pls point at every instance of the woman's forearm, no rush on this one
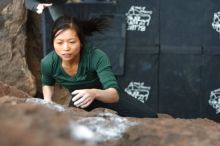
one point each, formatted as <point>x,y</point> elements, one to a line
<point>48,92</point>
<point>107,96</point>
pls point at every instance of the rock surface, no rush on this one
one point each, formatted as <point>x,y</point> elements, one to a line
<point>4,3</point>
<point>6,90</point>
<point>29,121</point>
<point>13,67</point>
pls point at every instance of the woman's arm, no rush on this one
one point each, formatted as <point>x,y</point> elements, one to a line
<point>48,92</point>
<point>109,95</point>
<point>85,97</point>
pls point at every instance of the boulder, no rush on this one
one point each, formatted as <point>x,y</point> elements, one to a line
<point>35,122</point>
<point>13,66</point>
<point>6,90</point>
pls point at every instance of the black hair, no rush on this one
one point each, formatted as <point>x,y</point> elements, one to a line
<point>83,28</point>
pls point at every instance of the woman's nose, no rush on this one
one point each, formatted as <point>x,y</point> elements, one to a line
<point>65,46</point>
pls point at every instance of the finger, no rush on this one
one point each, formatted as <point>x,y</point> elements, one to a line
<point>39,11</point>
<point>47,5</point>
<point>79,101</point>
<point>75,92</point>
<point>85,101</point>
<point>87,104</point>
<point>76,97</point>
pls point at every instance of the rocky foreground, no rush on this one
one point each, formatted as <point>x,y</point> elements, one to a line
<point>27,121</point>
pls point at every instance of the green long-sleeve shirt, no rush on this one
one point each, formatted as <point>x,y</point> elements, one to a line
<point>94,71</point>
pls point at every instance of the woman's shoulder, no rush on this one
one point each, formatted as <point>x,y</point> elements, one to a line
<point>50,62</point>
<point>98,56</point>
<point>94,51</point>
<point>50,58</point>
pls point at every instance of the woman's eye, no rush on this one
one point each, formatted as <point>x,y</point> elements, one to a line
<point>72,42</point>
<point>59,43</point>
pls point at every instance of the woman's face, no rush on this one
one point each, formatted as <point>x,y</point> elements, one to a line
<point>67,44</point>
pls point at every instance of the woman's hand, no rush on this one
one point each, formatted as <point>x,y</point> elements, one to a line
<point>41,6</point>
<point>83,98</point>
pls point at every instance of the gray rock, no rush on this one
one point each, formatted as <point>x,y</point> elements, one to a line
<point>13,66</point>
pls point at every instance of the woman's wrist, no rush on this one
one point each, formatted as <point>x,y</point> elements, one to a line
<point>94,93</point>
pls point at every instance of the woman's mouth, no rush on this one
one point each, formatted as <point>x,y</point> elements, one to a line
<point>66,55</point>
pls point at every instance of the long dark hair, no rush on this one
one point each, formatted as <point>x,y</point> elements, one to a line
<point>83,28</point>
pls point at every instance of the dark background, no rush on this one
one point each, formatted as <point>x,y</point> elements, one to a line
<point>178,55</point>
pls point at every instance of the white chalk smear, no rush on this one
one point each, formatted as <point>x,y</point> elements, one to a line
<point>104,127</point>
<point>48,104</point>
